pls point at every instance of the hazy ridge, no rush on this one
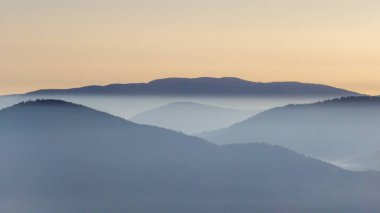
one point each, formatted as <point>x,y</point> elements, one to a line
<point>333,130</point>
<point>62,157</point>
<point>190,117</point>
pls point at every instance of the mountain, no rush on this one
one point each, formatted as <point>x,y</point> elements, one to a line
<point>61,157</point>
<point>332,130</point>
<point>191,117</point>
<point>205,86</point>
<point>126,100</point>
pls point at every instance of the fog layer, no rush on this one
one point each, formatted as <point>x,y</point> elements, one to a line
<point>60,157</point>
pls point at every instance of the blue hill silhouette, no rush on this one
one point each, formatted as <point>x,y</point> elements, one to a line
<point>205,86</point>
<point>61,157</point>
<point>190,117</point>
<point>332,130</point>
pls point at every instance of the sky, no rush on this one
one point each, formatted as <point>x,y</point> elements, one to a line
<point>71,43</point>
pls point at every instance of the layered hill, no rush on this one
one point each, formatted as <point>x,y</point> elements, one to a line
<point>189,117</point>
<point>61,157</point>
<point>332,130</point>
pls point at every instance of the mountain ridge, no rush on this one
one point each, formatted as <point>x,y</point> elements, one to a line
<point>205,86</point>
<point>191,117</point>
<point>57,155</point>
<point>312,129</point>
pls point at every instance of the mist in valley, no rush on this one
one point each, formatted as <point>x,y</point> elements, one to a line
<point>188,153</point>
<point>127,106</point>
<point>189,106</point>
<point>63,157</point>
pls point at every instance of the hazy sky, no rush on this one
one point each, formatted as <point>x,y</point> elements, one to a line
<point>66,43</point>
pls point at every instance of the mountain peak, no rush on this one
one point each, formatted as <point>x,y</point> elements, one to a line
<point>50,112</point>
<point>198,79</point>
<point>44,102</point>
<point>47,103</point>
<point>191,117</point>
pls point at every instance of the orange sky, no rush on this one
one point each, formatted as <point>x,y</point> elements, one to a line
<point>58,44</point>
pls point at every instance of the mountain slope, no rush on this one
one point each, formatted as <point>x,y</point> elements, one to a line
<point>332,130</point>
<point>206,87</point>
<point>191,117</point>
<point>60,157</point>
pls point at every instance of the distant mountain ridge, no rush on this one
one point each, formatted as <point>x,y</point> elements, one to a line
<point>60,156</point>
<point>205,86</point>
<point>331,130</point>
<point>191,117</point>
